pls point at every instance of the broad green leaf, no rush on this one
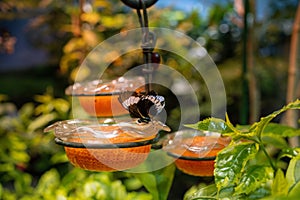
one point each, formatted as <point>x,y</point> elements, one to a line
<point>295,191</point>
<point>279,186</point>
<point>159,182</point>
<point>260,193</point>
<point>118,191</point>
<point>41,121</point>
<point>281,130</point>
<point>201,192</point>
<point>253,178</point>
<point>230,163</point>
<point>288,152</point>
<point>94,190</point>
<point>274,140</point>
<point>48,183</point>
<point>259,127</point>
<point>211,124</point>
<point>293,172</point>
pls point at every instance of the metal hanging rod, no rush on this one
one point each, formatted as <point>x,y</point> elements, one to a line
<point>136,3</point>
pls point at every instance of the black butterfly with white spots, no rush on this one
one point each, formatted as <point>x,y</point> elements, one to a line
<point>142,106</point>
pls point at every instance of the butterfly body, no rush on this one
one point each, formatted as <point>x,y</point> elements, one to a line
<point>143,106</point>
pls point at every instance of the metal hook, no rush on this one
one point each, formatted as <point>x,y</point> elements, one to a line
<point>136,5</point>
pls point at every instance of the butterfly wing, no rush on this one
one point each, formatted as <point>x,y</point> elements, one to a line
<point>142,106</point>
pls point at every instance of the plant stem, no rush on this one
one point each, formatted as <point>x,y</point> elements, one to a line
<point>267,155</point>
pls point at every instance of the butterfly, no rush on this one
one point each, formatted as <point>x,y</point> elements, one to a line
<point>142,106</point>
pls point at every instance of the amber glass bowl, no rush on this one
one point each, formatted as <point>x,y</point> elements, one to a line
<point>102,146</point>
<point>99,98</point>
<point>195,151</point>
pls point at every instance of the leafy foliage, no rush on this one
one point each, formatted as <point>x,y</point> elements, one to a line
<point>158,182</point>
<point>33,167</point>
<point>239,171</point>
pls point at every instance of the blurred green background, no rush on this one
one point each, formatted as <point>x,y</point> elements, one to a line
<point>43,43</point>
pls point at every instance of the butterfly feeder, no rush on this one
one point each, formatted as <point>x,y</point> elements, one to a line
<point>195,151</point>
<point>109,140</point>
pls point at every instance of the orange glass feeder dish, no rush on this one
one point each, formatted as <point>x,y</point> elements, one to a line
<point>100,99</point>
<point>103,146</point>
<point>195,152</point>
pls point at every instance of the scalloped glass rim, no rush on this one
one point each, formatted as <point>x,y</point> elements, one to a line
<point>106,146</point>
<point>91,132</point>
<point>182,141</point>
<point>98,87</point>
<point>208,158</point>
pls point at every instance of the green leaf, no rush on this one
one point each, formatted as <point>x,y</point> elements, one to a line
<point>118,191</point>
<point>23,183</point>
<point>1,191</point>
<point>280,185</point>
<point>61,105</point>
<point>158,182</point>
<point>259,127</point>
<point>132,184</point>
<point>281,130</point>
<point>138,195</point>
<point>48,183</point>
<point>253,178</point>
<point>295,191</point>
<point>275,140</point>
<point>41,121</point>
<point>230,163</point>
<point>288,152</point>
<point>201,192</point>
<point>211,124</point>
<point>293,172</point>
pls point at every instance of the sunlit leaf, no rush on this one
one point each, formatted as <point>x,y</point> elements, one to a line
<point>253,178</point>
<point>231,162</point>
<point>294,192</point>
<point>91,17</point>
<point>48,183</point>
<point>61,105</point>
<point>117,21</point>
<point>201,192</point>
<point>59,158</point>
<point>118,190</point>
<point>19,156</point>
<point>289,152</point>
<point>133,184</point>
<point>43,98</point>
<point>74,44</point>
<point>93,190</point>
<point>26,111</point>
<point>280,185</point>
<point>90,38</point>
<point>281,130</point>
<point>41,121</point>
<point>259,127</point>
<point>211,124</point>
<point>293,172</point>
